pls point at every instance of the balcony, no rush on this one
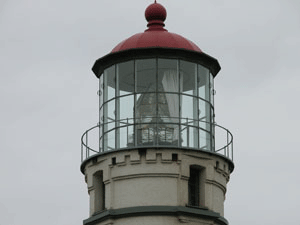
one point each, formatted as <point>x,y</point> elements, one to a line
<point>180,133</point>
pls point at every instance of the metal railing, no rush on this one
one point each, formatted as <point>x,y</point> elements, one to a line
<point>219,139</point>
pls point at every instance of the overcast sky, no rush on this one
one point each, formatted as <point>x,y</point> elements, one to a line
<point>48,99</point>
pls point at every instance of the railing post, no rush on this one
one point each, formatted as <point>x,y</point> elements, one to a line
<point>227,147</point>
<point>86,144</point>
<point>127,132</point>
<point>99,147</point>
<point>81,151</point>
<point>211,137</point>
<point>232,149</point>
<point>188,132</point>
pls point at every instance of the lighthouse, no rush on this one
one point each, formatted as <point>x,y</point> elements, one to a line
<point>156,156</point>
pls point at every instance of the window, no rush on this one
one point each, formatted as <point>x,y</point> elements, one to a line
<point>196,183</point>
<point>174,157</point>
<point>114,161</point>
<point>99,188</point>
<point>194,187</point>
<point>146,75</point>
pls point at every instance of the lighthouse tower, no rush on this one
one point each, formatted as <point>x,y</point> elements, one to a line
<point>156,156</point>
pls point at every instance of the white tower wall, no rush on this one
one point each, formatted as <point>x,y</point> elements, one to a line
<point>153,189</point>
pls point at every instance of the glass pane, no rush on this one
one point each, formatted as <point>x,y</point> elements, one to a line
<point>146,75</point>
<point>203,82</point>
<point>104,124</point>
<point>188,78</point>
<point>212,90</point>
<point>176,135</point>
<point>146,134</point>
<point>125,106</point>
<point>126,134</point>
<point>213,144</point>
<point>184,136</point>
<point>111,115</point>
<point>193,133</point>
<point>168,108</point>
<point>189,136</point>
<point>110,139</point>
<point>204,112</point>
<point>146,108</point>
<point>100,130</point>
<point>101,90</point>
<point>145,119</point>
<point>204,139</point>
<point>168,80</point>
<point>109,82</point>
<point>101,95</point>
<point>126,109</point>
<point>167,134</point>
<point>189,109</point>
<point>205,125</point>
<point>101,142</point>
<point>212,129</point>
<point>125,77</point>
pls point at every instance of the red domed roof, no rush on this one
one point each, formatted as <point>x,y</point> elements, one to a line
<point>156,35</point>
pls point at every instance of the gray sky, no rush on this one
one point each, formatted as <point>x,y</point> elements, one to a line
<point>48,99</point>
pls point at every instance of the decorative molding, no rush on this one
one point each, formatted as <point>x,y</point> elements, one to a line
<point>196,156</point>
<point>223,173</point>
<point>216,184</point>
<point>180,212</point>
<point>184,177</point>
<point>159,150</point>
<point>145,175</point>
<point>96,161</point>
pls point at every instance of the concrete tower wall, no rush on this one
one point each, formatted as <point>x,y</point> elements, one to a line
<point>138,180</point>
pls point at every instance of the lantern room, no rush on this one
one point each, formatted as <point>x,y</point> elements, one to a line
<point>156,90</point>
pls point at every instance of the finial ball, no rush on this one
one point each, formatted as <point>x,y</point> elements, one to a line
<point>156,11</point>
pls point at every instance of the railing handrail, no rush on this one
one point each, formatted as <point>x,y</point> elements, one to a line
<point>227,148</point>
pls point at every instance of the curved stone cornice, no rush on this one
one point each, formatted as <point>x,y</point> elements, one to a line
<point>155,210</point>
